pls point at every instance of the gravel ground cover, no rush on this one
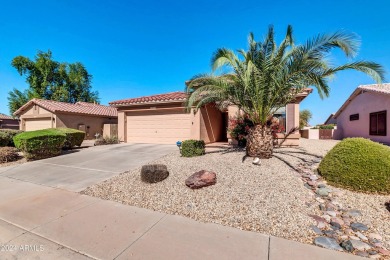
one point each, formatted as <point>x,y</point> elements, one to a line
<point>19,161</point>
<point>270,198</point>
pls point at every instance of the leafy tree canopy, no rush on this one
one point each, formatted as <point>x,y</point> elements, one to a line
<point>268,75</point>
<point>304,117</point>
<point>51,80</point>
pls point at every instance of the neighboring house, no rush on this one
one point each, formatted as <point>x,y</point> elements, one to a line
<point>88,117</point>
<point>331,120</point>
<point>8,122</point>
<point>163,119</point>
<point>365,114</point>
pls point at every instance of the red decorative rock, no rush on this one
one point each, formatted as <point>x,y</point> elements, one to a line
<point>338,221</point>
<point>384,251</point>
<point>317,218</point>
<point>201,179</point>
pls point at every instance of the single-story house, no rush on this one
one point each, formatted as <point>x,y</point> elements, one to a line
<point>364,114</point>
<point>163,119</point>
<point>331,120</point>
<point>88,117</point>
<point>8,122</point>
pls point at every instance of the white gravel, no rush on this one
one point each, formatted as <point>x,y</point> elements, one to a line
<point>269,198</point>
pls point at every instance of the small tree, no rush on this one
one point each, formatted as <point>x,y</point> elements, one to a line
<point>304,117</point>
<point>52,80</point>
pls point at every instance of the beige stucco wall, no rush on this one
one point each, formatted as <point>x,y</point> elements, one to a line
<point>121,126</point>
<point>363,104</point>
<point>34,111</point>
<point>93,124</point>
<point>310,133</point>
<point>292,116</point>
<point>206,124</point>
<point>211,124</point>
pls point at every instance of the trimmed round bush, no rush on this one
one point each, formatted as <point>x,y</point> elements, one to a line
<point>73,137</point>
<point>40,144</point>
<point>358,164</point>
<point>154,173</point>
<point>191,148</point>
<point>6,137</point>
<point>8,154</point>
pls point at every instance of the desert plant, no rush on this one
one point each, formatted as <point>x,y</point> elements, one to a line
<point>153,173</point>
<point>73,137</point>
<point>268,76</point>
<point>239,128</point>
<point>191,148</point>
<point>304,117</point>
<point>7,135</point>
<point>8,154</point>
<point>358,164</point>
<point>40,144</point>
<point>107,140</point>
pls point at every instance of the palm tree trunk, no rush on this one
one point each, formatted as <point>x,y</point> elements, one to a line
<point>260,142</point>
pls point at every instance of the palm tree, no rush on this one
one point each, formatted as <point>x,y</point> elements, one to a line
<point>267,77</point>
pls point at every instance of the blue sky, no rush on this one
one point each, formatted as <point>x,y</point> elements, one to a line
<point>135,48</point>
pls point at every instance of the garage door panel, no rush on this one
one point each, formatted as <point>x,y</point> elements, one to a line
<point>159,133</point>
<point>178,126</point>
<point>163,132</point>
<point>33,124</point>
<point>158,126</point>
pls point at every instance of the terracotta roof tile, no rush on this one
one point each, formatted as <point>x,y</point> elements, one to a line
<point>78,108</point>
<point>167,97</point>
<point>4,116</point>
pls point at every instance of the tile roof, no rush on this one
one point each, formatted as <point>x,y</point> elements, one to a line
<point>77,108</point>
<point>380,88</point>
<point>167,97</point>
<point>383,88</point>
<point>4,116</point>
<point>175,96</point>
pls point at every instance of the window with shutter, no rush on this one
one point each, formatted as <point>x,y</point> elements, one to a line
<point>378,123</point>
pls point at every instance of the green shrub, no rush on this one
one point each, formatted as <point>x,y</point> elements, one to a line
<point>73,137</point>
<point>7,135</point>
<point>326,126</point>
<point>41,143</point>
<point>190,148</point>
<point>107,140</point>
<point>358,164</point>
<point>8,154</point>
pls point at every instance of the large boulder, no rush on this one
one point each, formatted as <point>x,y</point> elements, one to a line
<point>153,173</point>
<point>201,179</point>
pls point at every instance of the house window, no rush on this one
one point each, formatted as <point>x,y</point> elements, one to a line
<point>281,115</point>
<point>354,117</point>
<point>378,123</point>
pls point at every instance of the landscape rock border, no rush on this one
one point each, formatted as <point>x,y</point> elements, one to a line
<point>336,227</point>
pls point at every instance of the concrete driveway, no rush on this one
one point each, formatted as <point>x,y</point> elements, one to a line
<point>81,168</point>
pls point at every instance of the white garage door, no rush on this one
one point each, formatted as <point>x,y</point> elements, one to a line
<point>32,124</point>
<point>161,127</point>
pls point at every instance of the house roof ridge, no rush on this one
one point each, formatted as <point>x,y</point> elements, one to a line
<point>156,98</point>
<point>77,108</point>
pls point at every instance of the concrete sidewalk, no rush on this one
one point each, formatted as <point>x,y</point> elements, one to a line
<point>40,222</point>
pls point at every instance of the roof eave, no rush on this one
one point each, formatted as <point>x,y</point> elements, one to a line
<point>146,103</point>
